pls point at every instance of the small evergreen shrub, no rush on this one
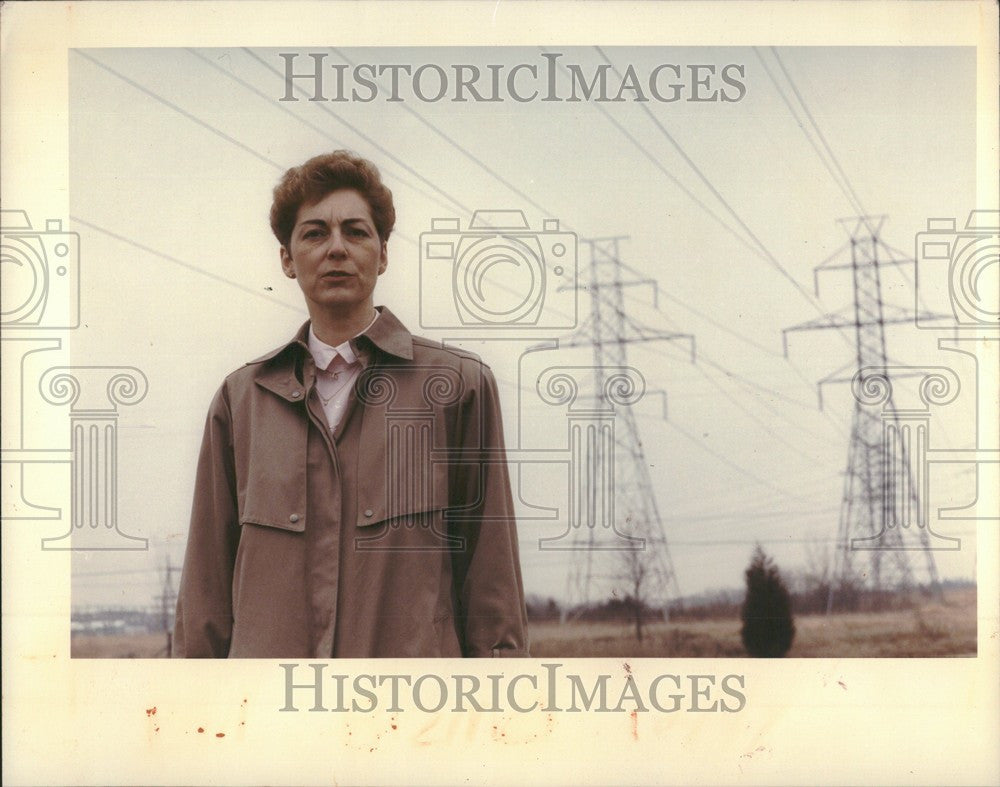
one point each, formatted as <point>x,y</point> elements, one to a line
<point>768,627</point>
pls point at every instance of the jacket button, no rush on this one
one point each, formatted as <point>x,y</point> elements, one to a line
<point>296,394</point>
<point>369,512</point>
<point>293,518</point>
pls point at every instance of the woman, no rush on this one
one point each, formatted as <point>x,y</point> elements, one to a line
<point>352,496</point>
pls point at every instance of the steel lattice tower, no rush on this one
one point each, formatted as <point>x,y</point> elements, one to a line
<point>639,558</point>
<point>882,516</point>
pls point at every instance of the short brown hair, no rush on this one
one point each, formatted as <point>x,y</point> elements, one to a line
<point>323,174</point>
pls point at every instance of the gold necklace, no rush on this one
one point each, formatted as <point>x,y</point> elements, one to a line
<point>336,376</point>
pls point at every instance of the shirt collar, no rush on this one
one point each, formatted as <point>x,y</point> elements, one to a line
<point>324,354</point>
<point>386,333</point>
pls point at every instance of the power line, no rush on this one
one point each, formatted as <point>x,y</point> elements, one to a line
<point>760,249</point>
<point>661,291</point>
<point>841,180</point>
<point>719,367</point>
<point>387,153</point>
<point>750,383</point>
<point>157,97</point>
<point>731,464</point>
<point>840,176</point>
<point>186,265</point>
<point>739,378</point>
<point>454,144</point>
<point>216,277</point>
<point>659,165</point>
<point>768,256</point>
<point>199,270</point>
<point>492,173</point>
<point>308,124</point>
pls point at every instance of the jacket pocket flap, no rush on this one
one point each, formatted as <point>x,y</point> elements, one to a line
<point>295,522</point>
<point>271,477</point>
<point>405,497</point>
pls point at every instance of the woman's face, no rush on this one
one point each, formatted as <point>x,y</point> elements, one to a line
<point>336,254</point>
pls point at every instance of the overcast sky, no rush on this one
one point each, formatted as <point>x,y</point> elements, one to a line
<point>727,205</point>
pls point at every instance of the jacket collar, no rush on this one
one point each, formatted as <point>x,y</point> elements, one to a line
<point>277,372</point>
<point>389,335</point>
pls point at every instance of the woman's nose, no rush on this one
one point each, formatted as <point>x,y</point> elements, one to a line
<point>335,246</point>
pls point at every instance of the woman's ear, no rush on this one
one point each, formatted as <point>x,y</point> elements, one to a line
<point>286,263</point>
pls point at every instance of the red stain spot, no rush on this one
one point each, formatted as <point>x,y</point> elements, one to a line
<point>243,723</point>
<point>394,726</point>
<point>156,729</point>
<point>220,735</point>
<point>201,729</point>
<point>635,725</point>
<point>151,711</point>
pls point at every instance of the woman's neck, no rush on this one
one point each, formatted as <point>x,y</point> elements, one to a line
<point>335,329</point>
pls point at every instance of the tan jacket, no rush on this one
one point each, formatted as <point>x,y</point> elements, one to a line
<point>392,537</point>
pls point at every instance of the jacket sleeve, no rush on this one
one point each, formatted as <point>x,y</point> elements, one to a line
<point>487,571</point>
<point>204,621</point>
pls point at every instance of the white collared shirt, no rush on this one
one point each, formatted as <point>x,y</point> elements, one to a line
<point>337,369</point>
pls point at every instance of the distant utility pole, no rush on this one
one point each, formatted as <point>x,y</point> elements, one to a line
<point>168,601</point>
<point>631,549</point>
<point>883,516</point>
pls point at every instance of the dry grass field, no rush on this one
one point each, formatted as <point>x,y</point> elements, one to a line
<point>932,630</point>
<point>119,646</point>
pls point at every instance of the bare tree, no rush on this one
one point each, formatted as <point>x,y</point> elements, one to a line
<point>636,571</point>
<point>816,577</point>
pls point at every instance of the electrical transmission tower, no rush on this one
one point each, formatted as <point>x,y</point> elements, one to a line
<point>168,601</point>
<point>883,517</point>
<point>631,549</point>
